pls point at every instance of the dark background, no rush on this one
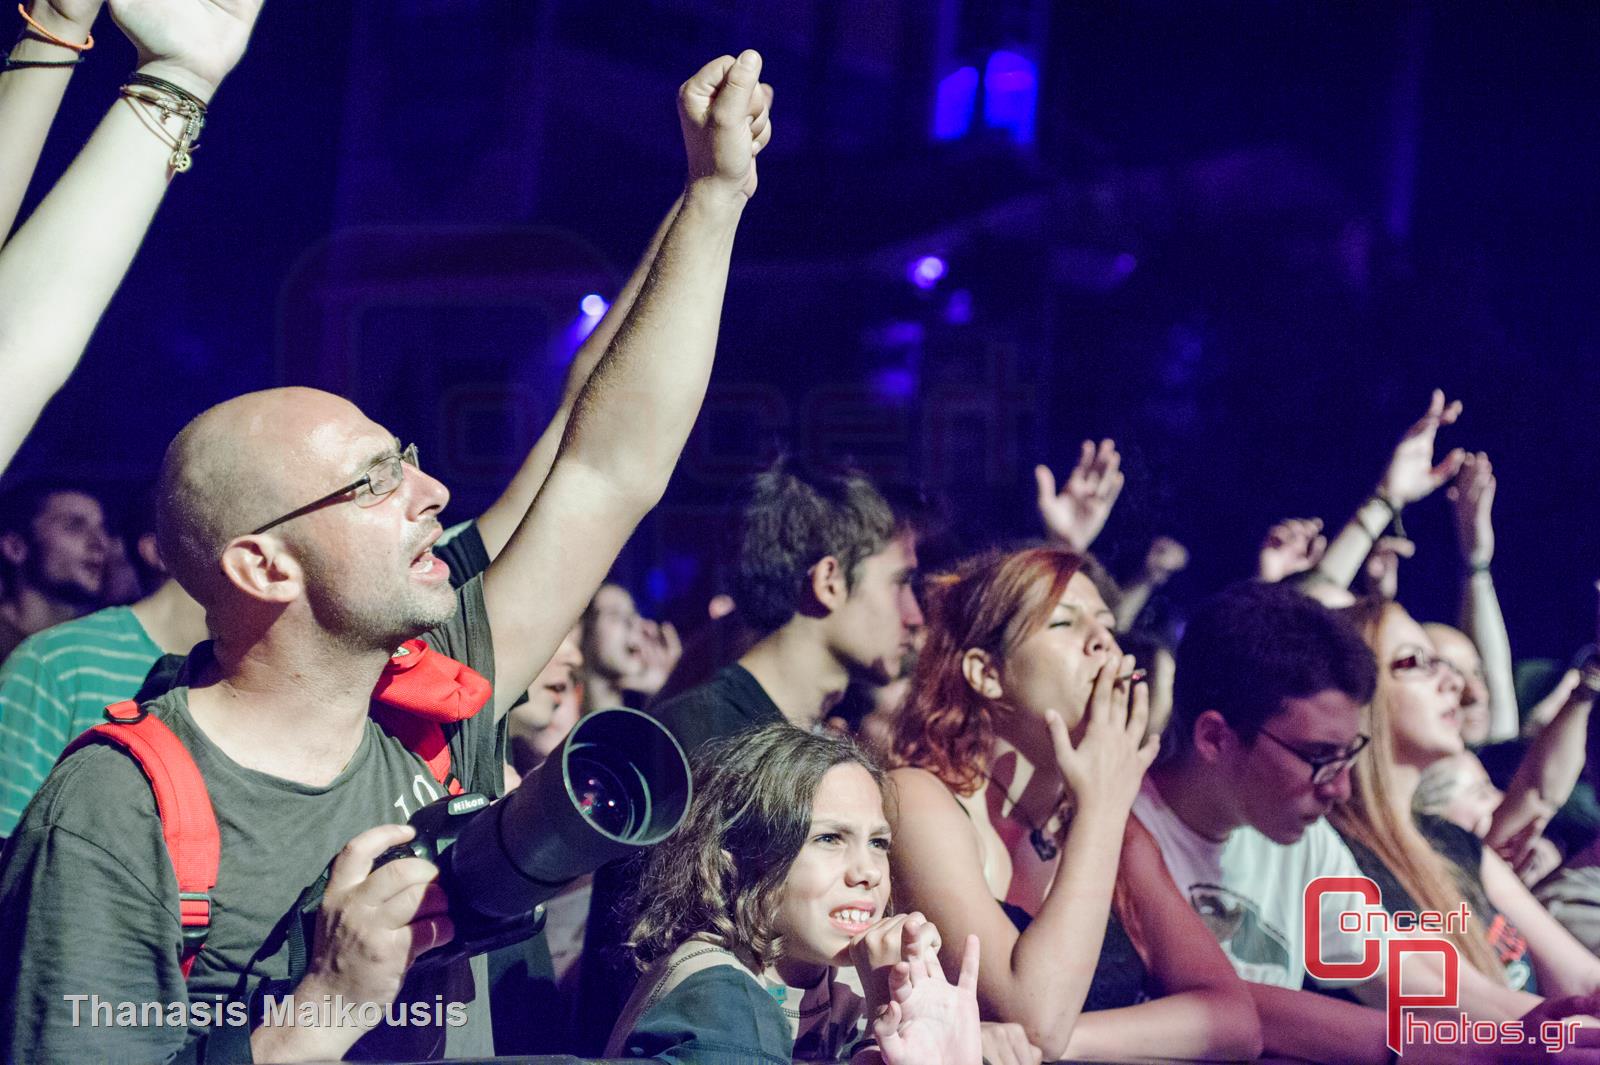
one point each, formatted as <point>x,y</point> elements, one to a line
<point>1244,239</point>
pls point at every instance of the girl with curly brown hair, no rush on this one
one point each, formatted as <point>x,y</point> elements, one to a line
<point>778,880</point>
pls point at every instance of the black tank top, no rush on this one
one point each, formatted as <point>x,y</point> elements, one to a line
<point>1120,976</point>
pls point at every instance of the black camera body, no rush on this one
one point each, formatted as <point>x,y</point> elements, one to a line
<point>438,825</point>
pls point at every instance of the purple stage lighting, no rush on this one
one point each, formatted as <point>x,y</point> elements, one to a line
<point>954,103</point>
<point>926,271</point>
<point>959,310</point>
<point>895,383</point>
<point>1011,94</point>
<point>593,305</point>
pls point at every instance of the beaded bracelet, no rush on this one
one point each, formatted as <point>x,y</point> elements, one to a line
<point>26,64</point>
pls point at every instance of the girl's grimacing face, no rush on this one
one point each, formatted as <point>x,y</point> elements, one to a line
<point>838,886</point>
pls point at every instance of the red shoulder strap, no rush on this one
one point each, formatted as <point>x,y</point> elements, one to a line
<point>423,738</point>
<point>188,822</point>
<point>422,690</point>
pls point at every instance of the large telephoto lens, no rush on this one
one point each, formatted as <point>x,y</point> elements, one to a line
<point>620,781</point>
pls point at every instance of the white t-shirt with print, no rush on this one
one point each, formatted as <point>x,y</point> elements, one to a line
<point>1250,892</point>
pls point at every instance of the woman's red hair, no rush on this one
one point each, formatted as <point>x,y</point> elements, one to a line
<point>992,602</point>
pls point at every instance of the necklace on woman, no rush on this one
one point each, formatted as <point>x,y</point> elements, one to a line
<point>1043,845</point>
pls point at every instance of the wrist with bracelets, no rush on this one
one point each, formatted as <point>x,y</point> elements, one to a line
<point>1394,517</point>
<point>170,101</point>
<point>32,30</point>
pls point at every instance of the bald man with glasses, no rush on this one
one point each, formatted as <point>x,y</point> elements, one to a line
<point>306,531</point>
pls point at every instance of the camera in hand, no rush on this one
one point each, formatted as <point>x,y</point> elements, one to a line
<point>618,782</point>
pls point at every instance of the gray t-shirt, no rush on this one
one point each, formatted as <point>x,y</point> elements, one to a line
<point>88,898</point>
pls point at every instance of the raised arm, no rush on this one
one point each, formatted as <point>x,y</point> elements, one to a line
<point>1546,775</point>
<point>633,416</point>
<point>498,522</point>
<point>1165,559</point>
<point>60,270</point>
<point>1291,546</point>
<point>1074,515</point>
<point>31,87</point>
<point>1472,498</point>
<point>1410,476</point>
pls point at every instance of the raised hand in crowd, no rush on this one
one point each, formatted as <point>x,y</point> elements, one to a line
<point>659,651</point>
<point>1472,501</point>
<point>1291,546</point>
<point>1472,498</point>
<point>59,271</point>
<point>1163,560</point>
<point>1381,570</point>
<point>1076,513</point>
<point>1548,772</point>
<point>1544,711</point>
<point>1410,475</point>
<point>192,43</point>
<point>726,115</point>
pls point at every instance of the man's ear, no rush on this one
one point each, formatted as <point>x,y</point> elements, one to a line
<point>262,568</point>
<point>1213,736</point>
<point>978,668</point>
<point>828,585</point>
<point>150,553</point>
<point>14,547</point>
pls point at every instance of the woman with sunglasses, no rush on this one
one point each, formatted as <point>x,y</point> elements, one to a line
<point>1019,753</point>
<point>1422,862</point>
<point>753,914</point>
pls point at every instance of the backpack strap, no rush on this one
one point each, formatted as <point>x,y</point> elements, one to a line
<point>188,823</point>
<point>419,693</point>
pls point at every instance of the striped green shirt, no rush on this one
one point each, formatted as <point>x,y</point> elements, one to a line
<point>56,684</point>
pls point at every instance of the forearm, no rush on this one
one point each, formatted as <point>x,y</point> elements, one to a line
<point>1052,963</point>
<point>628,427</point>
<point>1132,602</point>
<point>1350,548</point>
<point>1482,620</point>
<point>1313,1027</point>
<point>634,415</point>
<point>29,100</point>
<point>498,522</point>
<point>296,1042</point>
<point>60,270</point>
<point>1211,1024</point>
<point>1548,772</point>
